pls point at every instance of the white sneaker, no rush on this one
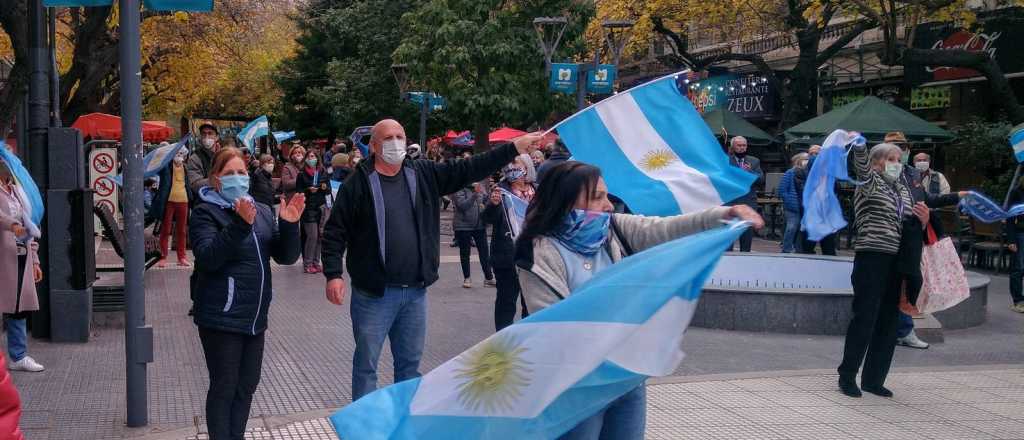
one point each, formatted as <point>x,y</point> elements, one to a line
<point>467,284</point>
<point>25,364</point>
<point>912,341</point>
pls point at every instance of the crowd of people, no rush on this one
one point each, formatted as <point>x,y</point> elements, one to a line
<point>378,220</point>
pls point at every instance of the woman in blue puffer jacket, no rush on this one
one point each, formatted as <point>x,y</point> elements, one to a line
<point>233,239</point>
<point>791,203</point>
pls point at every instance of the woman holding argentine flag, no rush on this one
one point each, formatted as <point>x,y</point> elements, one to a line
<point>569,235</point>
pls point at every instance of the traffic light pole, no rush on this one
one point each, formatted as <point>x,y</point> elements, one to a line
<point>138,336</point>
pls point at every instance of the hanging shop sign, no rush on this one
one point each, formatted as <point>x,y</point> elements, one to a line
<point>563,77</point>
<point>996,33</point>
<point>601,80</point>
<point>923,98</point>
<point>749,96</point>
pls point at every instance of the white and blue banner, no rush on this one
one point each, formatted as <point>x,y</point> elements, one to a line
<point>985,210</point>
<point>257,128</point>
<point>357,137</point>
<point>655,151</point>
<point>281,136</point>
<point>1017,141</point>
<point>156,160</point>
<point>540,377</point>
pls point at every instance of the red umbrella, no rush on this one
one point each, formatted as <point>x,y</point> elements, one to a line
<point>504,134</point>
<point>104,126</point>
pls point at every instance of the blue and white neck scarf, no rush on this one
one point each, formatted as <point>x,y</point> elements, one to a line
<point>583,231</point>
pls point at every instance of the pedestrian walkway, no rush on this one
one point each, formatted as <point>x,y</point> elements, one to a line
<point>968,404</point>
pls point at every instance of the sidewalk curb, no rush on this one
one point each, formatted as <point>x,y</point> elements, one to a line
<point>269,423</point>
<point>818,372</point>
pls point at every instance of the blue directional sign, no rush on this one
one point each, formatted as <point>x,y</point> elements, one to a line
<point>437,102</point>
<point>601,80</point>
<point>563,77</point>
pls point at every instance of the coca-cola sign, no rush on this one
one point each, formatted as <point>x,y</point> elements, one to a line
<point>994,34</point>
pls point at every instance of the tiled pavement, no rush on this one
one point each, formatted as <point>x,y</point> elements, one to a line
<point>309,350</point>
<point>971,404</point>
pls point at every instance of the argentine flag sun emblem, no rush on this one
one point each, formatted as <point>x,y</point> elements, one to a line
<point>494,375</point>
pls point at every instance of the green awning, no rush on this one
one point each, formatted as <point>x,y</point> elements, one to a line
<point>873,118</point>
<point>736,126</point>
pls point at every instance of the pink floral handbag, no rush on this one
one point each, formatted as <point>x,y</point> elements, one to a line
<point>945,283</point>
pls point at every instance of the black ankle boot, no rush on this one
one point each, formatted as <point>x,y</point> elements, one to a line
<point>849,387</point>
<point>878,390</point>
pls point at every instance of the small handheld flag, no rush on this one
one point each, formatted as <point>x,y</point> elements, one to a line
<point>515,212</point>
<point>655,151</point>
<point>985,210</point>
<point>258,127</point>
<point>156,160</point>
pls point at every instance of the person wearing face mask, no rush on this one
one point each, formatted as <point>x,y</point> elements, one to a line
<point>291,170</point>
<point>513,182</point>
<point>262,182</point>
<point>882,206</point>
<point>912,242</point>
<point>934,182</point>
<point>738,157</point>
<point>570,236</point>
<point>173,202</point>
<point>234,238</point>
<point>791,203</point>
<point>387,217</point>
<point>19,268</point>
<point>313,181</point>
<point>198,164</point>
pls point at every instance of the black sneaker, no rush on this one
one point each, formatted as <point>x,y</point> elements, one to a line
<point>849,387</point>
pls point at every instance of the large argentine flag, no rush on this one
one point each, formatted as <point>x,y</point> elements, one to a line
<point>655,151</point>
<point>258,127</point>
<point>543,375</point>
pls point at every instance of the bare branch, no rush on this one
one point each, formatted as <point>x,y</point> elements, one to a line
<point>840,43</point>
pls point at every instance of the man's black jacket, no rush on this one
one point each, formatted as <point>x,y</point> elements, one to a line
<point>352,225</point>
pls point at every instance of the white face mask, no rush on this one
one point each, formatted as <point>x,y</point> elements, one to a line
<point>393,151</point>
<point>268,167</point>
<point>208,142</point>
<point>892,171</point>
<point>922,166</point>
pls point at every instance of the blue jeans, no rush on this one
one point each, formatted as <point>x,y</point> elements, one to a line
<point>906,325</point>
<point>401,316</point>
<point>623,419</point>
<point>789,237</point>
<point>17,338</point>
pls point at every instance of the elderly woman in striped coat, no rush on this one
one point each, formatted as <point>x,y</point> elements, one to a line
<point>880,205</point>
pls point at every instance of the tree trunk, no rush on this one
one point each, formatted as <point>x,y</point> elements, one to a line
<point>14,21</point>
<point>976,60</point>
<point>800,93</point>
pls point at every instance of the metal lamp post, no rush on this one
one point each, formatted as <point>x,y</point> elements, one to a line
<point>401,73</point>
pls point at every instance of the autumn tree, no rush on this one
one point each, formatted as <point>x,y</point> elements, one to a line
<point>482,56</point>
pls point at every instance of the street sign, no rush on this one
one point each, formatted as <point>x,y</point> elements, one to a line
<point>563,77</point>
<point>102,167</point>
<point>601,80</point>
<point>437,102</point>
